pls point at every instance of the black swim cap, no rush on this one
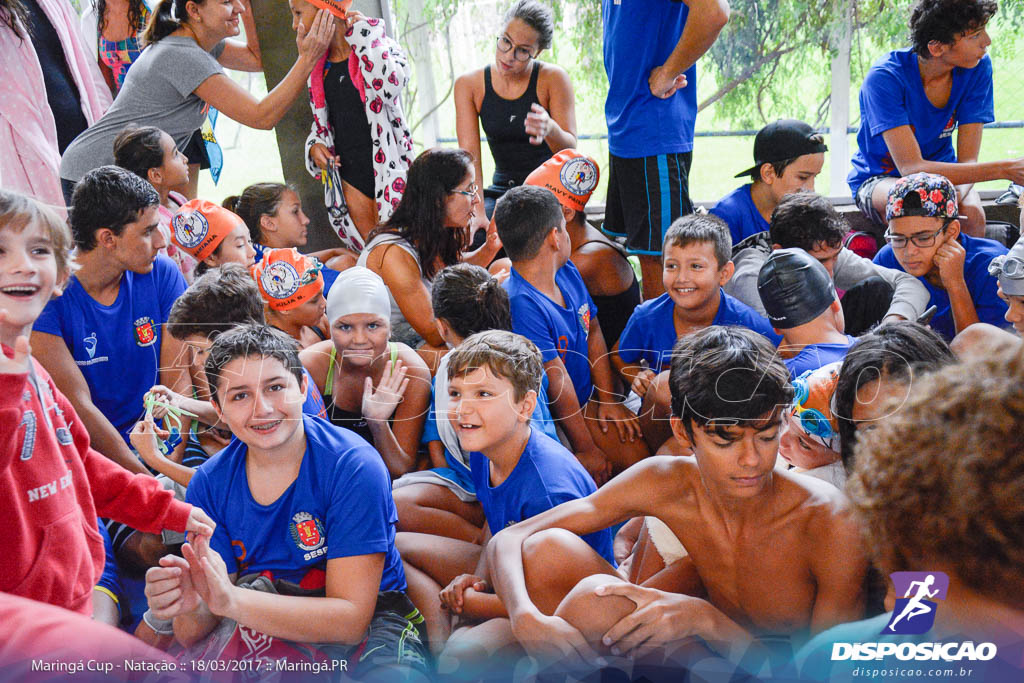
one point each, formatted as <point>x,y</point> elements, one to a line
<point>794,287</point>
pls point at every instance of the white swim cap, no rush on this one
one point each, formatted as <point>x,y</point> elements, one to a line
<point>358,290</point>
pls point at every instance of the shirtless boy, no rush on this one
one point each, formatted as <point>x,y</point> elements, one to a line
<point>769,552</point>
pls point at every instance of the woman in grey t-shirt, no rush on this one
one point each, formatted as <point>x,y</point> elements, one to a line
<point>180,74</point>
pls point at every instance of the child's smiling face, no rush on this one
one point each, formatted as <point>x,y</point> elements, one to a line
<point>28,277</point>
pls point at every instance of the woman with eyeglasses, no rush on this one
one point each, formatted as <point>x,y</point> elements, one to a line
<point>428,231</point>
<point>526,107</point>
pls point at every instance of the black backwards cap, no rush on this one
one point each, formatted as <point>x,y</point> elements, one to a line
<point>781,140</point>
<point>794,287</point>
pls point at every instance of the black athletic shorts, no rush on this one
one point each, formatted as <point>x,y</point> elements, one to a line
<point>644,196</point>
<point>195,150</point>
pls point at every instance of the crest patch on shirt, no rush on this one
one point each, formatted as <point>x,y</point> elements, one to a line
<point>584,316</point>
<point>145,331</point>
<point>307,531</point>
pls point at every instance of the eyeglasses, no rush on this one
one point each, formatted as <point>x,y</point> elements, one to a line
<point>469,192</point>
<point>522,53</point>
<point>926,239</point>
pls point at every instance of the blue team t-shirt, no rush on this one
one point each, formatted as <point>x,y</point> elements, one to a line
<point>893,95</point>
<point>546,475</point>
<point>982,286</point>
<point>558,332</point>
<point>814,356</point>
<point>639,35</point>
<point>650,333</point>
<point>738,211</point>
<point>106,340</point>
<point>340,505</point>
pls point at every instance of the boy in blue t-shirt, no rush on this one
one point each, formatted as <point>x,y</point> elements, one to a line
<point>103,340</point>
<point>301,502</point>
<point>924,240</point>
<point>442,500</point>
<point>695,266</point>
<point>801,302</point>
<point>788,156</point>
<point>912,101</point>
<point>516,469</point>
<point>552,308</point>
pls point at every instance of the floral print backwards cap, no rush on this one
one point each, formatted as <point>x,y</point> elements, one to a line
<point>922,194</point>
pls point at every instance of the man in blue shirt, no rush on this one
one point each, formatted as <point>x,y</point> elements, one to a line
<point>650,51</point>
<point>299,501</point>
<point>103,339</point>
<point>913,99</point>
<point>801,302</point>
<point>925,241</point>
<point>788,156</point>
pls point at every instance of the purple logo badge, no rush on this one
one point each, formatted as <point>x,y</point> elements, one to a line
<point>914,612</point>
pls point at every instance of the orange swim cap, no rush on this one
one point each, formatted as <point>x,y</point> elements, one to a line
<point>338,8</point>
<point>570,176</point>
<point>287,279</point>
<point>200,226</point>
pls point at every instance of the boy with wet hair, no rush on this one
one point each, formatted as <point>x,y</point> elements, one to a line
<point>301,502</point>
<point>925,240</point>
<point>808,221</point>
<point>552,308</point>
<point>788,156</point>
<point>926,512</point>
<point>796,567</point>
<point>113,310</point>
<point>911,102</point>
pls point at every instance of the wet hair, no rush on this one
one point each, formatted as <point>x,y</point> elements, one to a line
<point>946,20</point>
<point>506,354</point>
<point>255,202</point>
<point>901,351</point>
<point>805,220</point>
<point>249,341</point>
<point>107,197</point>
<point>524,217</point>
<point>420,217</point>
<point>17,211</point>
<point>942,480</point>
<point>14,16</point>
<point>138,149</point>
<point>535,15</point>
<point>470,300</point>
<point>696,228</point>
<point>218,300</point>
<point>134,15</point>
<point>162,24</point>
<point>727,376</point>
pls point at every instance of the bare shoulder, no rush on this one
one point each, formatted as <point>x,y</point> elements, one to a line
<point>552,75</point>
<point>665,477</point>
<point>471,82</point>
<point>823,510</point>
<point>413,362</point>
<point>316,358</point>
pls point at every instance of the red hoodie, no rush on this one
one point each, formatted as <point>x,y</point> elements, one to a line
<point>52,488</point>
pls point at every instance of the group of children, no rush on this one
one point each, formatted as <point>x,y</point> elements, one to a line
<point>575,475</point>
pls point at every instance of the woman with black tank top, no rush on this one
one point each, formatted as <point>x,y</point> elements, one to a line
<point>526,106</point>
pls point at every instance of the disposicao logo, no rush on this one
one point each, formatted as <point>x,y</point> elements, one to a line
<point>914,614</point>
